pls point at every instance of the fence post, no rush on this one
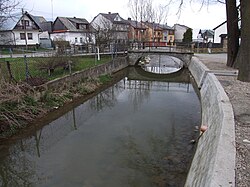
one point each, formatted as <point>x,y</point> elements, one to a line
<point>1,74</point>
<point>9,70</point>
<point>70,68</point>
<point>27,74</point>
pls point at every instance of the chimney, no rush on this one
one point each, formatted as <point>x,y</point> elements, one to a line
<point>109,12</point>
<point>129,19</point>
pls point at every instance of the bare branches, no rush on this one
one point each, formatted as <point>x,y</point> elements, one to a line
<point>6,9</point>
<point>221,1</point>
<point>202,3</point>
<point>144,10</point>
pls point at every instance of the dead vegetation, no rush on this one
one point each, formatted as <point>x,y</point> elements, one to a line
<point>19,104</point>
<point>16,105</point>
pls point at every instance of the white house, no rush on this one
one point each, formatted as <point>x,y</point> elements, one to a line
<point>21,30</point>
<point>46,27</point>
<point>114,24</point>
<point>219,30</point>
<point>179,30</point>
<point>77,31</point>
<point>206,35</point>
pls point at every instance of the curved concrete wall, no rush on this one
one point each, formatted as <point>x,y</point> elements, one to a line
<point>214,161</point>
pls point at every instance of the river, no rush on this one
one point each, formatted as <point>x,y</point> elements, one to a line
<point>134,133</point>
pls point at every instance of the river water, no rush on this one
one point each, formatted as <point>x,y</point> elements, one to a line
<point>135,133</point>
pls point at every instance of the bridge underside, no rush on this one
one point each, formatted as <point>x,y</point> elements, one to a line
<point>137,73</point>
<point>135,56</point>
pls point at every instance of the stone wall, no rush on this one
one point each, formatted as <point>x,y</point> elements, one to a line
<point>214,161</point>
<point>107,68</point>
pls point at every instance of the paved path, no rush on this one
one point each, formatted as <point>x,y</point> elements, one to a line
<point>239,95</point>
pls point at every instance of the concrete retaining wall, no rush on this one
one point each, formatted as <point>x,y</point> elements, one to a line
<point>214,161</point>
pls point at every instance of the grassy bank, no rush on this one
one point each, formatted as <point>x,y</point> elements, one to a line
<point>18,106</point>
<point>40,67</point>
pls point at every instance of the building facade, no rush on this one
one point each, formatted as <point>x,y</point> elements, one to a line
<point>21,31</point>
<point>179,31</point>
<point>111,27</point>
<point>76,31</point>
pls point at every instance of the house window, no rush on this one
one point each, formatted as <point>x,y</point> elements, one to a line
<point>75,40</point>
<point>159,33</point>
<point>171,32</point>
<point>81,40</point>
<point>165,38</point>
<point>25,23</point>
<point>22,36</point>
<point>30,36</point>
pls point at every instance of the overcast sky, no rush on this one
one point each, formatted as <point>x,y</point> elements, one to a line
<point>206,18</point>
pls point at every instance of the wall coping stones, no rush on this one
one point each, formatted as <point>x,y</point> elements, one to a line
<point>214,161</point>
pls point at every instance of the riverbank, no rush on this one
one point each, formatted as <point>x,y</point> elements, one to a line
<point>239,96</point>
<point>21,104</point>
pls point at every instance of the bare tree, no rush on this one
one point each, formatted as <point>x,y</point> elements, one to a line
<point>6,9</point>
<point>104,33</point>
<point>243,58</point>
<point>232,32</point>
<point>7,38</point>
<point>134,9</point>
<point>144,10</point>
<point>161,13</point>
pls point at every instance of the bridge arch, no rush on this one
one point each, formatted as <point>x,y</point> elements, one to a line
<point>135,56</point>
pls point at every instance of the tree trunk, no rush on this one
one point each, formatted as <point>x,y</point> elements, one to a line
<point>244,56</point>
<point>232,32</point>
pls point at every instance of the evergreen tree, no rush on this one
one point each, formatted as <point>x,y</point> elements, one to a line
<point>188,36</point>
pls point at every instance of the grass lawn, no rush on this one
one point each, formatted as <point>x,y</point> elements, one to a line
<point>7,51</point>
<point>17,66</point>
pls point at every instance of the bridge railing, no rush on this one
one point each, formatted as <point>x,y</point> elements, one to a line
<point>176,47</point>
<point>164,49</point>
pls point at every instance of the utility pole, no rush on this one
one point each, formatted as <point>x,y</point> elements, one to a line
<point>24,27</point>
<point>52,9</point>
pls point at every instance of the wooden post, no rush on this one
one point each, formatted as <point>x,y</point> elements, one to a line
<point>1,75</point>
<point>9,71</point>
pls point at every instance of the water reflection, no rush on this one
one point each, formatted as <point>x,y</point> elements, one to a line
<point>162,64</point>
<point>136,131</point>
<point>158,163</point>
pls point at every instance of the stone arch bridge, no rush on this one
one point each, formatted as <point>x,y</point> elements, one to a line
<point>135,55</point>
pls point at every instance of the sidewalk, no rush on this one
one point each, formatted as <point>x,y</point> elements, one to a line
<point>239,95</point>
